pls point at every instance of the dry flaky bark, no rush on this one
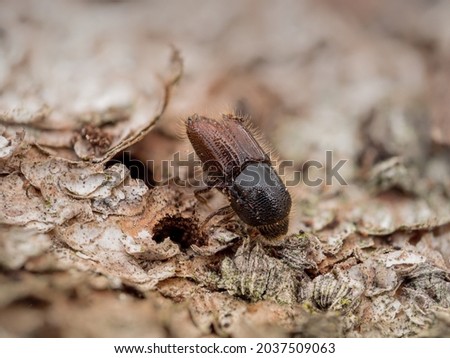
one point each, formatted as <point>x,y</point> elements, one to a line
<point>88,249</point>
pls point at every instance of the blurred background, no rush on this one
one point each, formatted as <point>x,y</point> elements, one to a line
<point>368,80</point>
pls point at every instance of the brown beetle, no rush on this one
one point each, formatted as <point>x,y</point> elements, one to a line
<point>235,163</point>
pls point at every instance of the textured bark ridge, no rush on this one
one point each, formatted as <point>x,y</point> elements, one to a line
<point>88,248</point>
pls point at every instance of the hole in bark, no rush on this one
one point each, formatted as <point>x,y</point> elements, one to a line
<point>31,302</point>
<point>182,231</point>
<point>415,238</point>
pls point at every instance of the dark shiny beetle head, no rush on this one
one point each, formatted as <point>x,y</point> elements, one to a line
<point>260,199</point>
<point>235,163</point>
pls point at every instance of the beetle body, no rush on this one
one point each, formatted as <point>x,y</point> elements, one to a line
<point>235,163</point>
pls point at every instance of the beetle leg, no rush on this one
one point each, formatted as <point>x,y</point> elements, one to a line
<point>227,217</point>
<point>226,211</point>
<point>199,197</point>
